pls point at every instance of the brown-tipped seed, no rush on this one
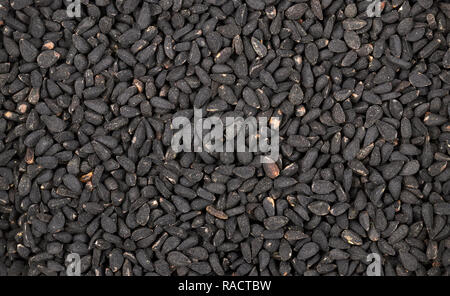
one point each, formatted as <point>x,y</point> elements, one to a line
<point>351,237</point>
<point>48,58</point>
<point>216,213</point>
<point>271,169</point>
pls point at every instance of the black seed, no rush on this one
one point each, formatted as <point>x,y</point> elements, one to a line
<point>116,260</point>
<point>53,123</point>
<point>178,259</point>
<point>275,222</point>
<point>296,11</point>
<point>322,187</point>
<point>267,79</point>
<point>388,132</point>
<point>352,24</point>
<point>442,208</point>
<point>28,51</point>
<point>408,260</point>
<point>216,213</point>
<point>419,80</point>
<point>48,58</point>
<point>312,53</point>
<point>410,168</point>
<point>337,46</point>
<point>319,208</point>
<point>351,237</point>
<point>20,4</point>
<point>352,39</point>
<point>307,251</point>
<point>284,182</point>
<point>432,119</point>
<point>72,183</point>
<point>108,224</point>
<point>258,47</point>
<point>56,223</point>
<point>298,141</point>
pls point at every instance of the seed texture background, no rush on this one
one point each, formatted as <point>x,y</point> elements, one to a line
<point>86,165</point>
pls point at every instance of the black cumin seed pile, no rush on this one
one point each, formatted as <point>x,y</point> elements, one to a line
<point>86,164</point>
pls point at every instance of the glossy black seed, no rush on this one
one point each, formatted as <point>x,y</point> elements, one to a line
<point>352,24</point>
<point>408,260</point>
<point>312,53</point>
<point>390,170</point>
<point>399,234</point>
<point>24,185</point>
<point>284,182</point>
<point>72,183</point>
<point>258,47</point>
<point>387,131</point>
<point>319,208</point>
<point>296,11</point>
<point>116,260</point>
<point>373,114</point>
<point>352,39</point>
<point>27,50</point>
<point>442,208</point>
<point>275,222</point>
<point>53,123</point>
<point>178,259</point>
<point>419,80</point>
<point>56,224</point>
<point>410,168</point>
<point>250,97</point>
<point>20,4</point>
<point>108,224</point>
<point>351,237</point>
<point>267,79</point>
<point>322,187</point>
<point>307,251</point>
<point>337,46</point>
<point>47,58</point>
<point>298,141</point>
<point>432,119</point>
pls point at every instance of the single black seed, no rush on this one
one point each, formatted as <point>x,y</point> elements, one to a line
<point>319,208</point>
<point>307,251</point>
<point>47,58</point>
